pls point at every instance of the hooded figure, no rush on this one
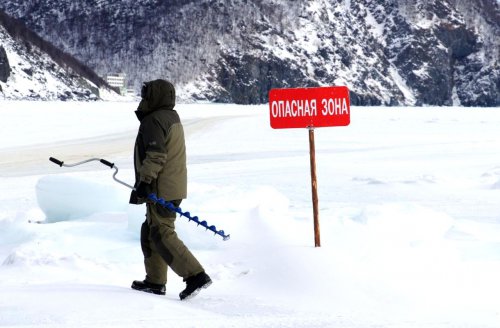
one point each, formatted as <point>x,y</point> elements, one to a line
<point>160,168</point>
<point>160,151</point>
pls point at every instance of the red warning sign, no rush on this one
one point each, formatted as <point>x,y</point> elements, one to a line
<point>309,107</point>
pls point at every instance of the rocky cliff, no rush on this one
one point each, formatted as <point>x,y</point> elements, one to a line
<point>391,52</point>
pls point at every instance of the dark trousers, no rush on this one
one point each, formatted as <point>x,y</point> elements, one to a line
<point>162,248</point>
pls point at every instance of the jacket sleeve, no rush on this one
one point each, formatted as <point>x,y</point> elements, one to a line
<point>154,139</point>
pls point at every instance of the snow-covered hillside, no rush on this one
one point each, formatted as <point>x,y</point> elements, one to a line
<point>391,52</point>
<point>409,216</point>
<point>31,68</point>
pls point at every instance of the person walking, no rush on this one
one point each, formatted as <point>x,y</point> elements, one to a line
<point>160,168</point>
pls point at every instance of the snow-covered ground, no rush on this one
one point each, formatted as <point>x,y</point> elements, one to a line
<point>409,211</point>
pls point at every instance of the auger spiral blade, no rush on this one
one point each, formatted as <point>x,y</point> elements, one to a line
<point>171,207</point>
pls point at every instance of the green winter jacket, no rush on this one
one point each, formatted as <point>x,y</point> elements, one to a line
<point>160,151</point>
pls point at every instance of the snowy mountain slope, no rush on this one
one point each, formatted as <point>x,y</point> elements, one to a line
<point>393,52</point>
<point>31,68</point>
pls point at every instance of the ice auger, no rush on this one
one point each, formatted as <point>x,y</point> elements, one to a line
<point>152,197</point>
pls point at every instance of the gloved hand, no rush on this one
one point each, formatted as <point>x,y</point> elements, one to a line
<point>143,189</point>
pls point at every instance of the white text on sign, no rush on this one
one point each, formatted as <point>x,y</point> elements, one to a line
<point>294,108</point>
<point>309,107</point>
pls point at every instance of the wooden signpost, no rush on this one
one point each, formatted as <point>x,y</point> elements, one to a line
<point>310,108</point>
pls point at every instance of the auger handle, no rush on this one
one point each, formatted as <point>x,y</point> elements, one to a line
<point>105,162</point>
<point>101,160</point>
<point>58,162</point>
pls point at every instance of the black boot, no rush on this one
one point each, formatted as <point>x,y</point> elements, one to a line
<point>148,287</point>
<point>194,284</point>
